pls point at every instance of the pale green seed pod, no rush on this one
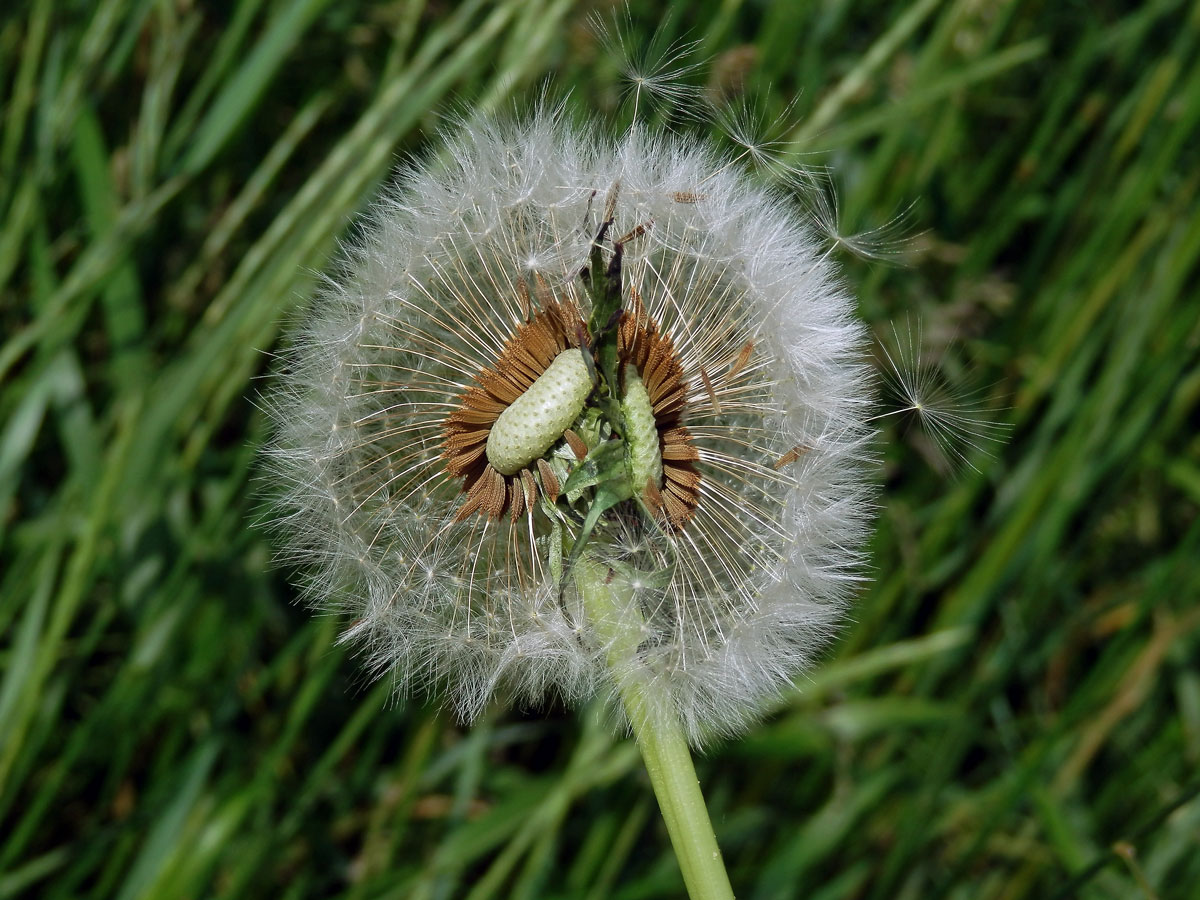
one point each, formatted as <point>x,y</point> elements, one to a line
<point>641,433</point>
<point>537,419</point>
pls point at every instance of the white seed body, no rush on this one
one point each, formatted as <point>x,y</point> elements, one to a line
<point>641,433</point>
<point>538,418</point>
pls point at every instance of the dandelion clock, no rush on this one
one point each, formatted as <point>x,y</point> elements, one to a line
<point>582,416</point>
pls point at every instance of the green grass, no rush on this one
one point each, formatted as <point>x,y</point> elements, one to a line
<point>1015,710</point>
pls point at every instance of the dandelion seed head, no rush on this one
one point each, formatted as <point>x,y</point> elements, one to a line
<point>465,282</point>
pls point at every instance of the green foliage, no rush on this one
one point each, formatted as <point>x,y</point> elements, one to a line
<point>1016,710</point>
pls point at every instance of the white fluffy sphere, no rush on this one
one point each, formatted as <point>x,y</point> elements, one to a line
<point>449,573</point>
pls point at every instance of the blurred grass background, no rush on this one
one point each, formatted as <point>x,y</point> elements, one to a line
<point>1014,712</point>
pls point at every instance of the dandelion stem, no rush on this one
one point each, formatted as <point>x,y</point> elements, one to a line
<point>660,738</point>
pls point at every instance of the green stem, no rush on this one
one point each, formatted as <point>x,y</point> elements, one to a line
<point>606,597</point>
